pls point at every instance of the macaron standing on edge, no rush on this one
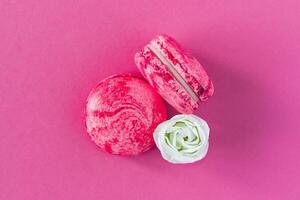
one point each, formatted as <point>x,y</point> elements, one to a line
<point>177,76</point>
<point>122,112</point>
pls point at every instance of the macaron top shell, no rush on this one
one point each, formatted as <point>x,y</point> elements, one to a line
<point>163,54</point>
<point>122,112</point>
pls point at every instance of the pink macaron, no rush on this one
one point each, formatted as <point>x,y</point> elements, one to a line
<point>177,76</point>
<point>122,112</point>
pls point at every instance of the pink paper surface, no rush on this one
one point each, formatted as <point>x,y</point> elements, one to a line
<point>53,52</point>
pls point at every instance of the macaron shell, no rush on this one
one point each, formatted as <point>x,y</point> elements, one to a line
<point>122,112</point>
<point>186,65</point>
<point>163,81</point>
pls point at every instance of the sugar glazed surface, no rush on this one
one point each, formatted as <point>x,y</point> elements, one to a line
<point>122,113</point>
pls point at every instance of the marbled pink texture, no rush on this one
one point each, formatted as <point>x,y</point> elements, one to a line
<point>165,83</point>
<point>53,52</point>
<point>186,65</point>
<point>122,112</point>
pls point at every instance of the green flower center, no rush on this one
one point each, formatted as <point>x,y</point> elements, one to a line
<point>183,136</point>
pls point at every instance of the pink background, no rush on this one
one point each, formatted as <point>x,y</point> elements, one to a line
<point>53,52</point>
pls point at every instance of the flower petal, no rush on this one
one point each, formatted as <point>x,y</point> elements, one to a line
<point>182,139</point>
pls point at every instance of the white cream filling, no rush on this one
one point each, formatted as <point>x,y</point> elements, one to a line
<point>173,71</point>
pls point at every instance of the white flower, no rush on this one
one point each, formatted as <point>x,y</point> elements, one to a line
<point>182,139</point>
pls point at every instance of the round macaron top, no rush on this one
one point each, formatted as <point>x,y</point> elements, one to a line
<point>186,83</point>
<point>122,113</point>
